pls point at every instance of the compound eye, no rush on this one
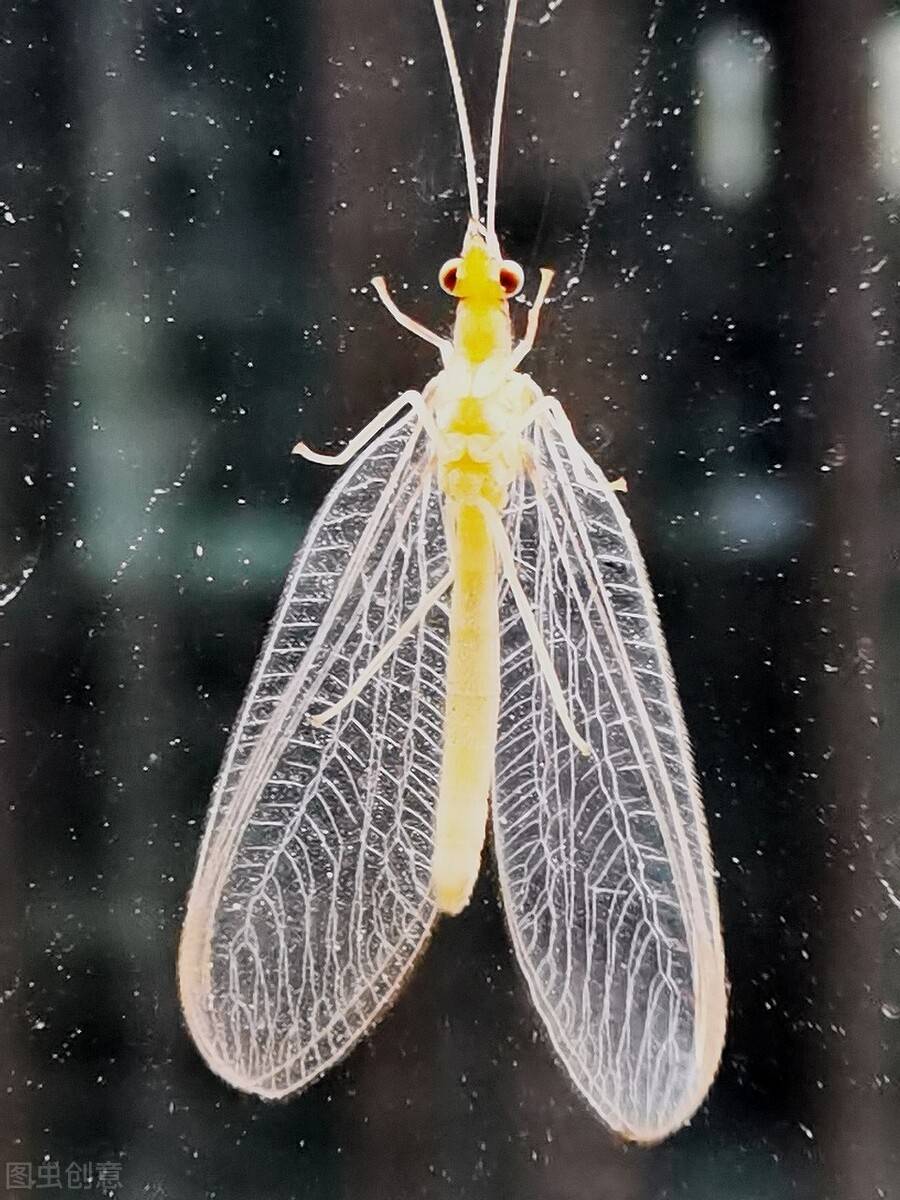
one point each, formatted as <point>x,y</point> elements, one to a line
<point>511,278</point>
<point>448,274</point>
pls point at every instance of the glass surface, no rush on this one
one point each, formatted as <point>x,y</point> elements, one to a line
<point>192,200</point>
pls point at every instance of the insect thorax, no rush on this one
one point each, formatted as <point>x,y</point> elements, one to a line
<point>480,448</point>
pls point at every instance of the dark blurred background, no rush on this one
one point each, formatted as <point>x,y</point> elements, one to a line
<point>193,197</point>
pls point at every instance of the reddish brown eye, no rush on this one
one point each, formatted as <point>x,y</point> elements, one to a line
<point>448,275</point>
<point>511,277</point>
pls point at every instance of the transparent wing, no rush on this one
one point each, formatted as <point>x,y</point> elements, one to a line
<point>604,861</point>
<point>310,899</point>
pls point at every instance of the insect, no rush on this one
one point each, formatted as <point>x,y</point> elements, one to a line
<point>467,626</point>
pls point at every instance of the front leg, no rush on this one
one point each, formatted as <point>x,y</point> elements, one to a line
<point>534,316</point>
<point>444,345</point>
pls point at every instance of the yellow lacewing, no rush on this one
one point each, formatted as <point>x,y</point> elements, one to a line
<point>468,619</point>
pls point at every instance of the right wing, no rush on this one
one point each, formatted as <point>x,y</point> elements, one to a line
<point>311,899</point>
<point>604,860</point>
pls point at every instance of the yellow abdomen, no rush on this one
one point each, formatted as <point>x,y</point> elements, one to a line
<point>470,718</point>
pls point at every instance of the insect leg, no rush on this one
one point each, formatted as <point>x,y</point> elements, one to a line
<point>542,654</point>
<point>414,619</point>
<point>534,316</point>
<point>412,398</point>
<point>542,406</point>
<point>444,345</point>
<point>552,408</point>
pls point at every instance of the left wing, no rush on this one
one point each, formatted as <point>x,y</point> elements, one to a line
<point>310,900</point>
<point>604,860</point>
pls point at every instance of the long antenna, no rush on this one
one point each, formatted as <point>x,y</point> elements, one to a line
<point>497,123</point>
<point>465,131</point>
